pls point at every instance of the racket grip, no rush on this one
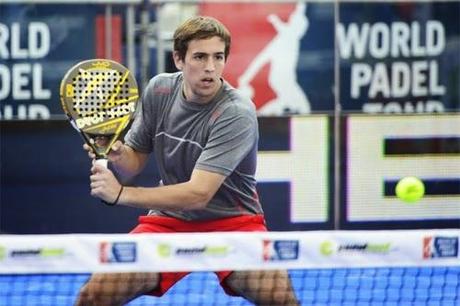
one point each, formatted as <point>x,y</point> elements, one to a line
<point>102,161</point>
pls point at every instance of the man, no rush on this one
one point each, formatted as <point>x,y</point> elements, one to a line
<point>204,137</point>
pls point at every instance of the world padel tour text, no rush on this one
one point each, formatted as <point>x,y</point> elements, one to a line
<point>394,66</point>
<point>23,81</point>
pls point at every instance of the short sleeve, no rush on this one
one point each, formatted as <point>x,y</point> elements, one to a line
<point>140,136</point>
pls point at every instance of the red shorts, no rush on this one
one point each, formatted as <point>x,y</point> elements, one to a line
<point>160,224</point>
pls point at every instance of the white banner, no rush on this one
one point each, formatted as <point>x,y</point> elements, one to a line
<point>85,253</point>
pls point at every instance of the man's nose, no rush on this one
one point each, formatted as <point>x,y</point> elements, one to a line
<point>210,64</point>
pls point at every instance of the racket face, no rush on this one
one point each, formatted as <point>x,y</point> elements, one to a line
<point>99,96</point>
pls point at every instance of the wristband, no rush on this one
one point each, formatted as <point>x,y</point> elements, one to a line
<point>116,200</point>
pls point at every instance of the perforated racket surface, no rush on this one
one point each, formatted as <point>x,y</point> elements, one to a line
<point>99,97</point>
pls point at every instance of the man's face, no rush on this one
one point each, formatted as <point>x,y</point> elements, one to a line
<point>202,68</point>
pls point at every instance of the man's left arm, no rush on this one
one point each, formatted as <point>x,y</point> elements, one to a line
<point>193,194</point>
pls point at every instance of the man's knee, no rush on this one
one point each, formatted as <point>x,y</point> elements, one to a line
<point>263,287</point>
<point>115,289</point>
<point>89,296</point>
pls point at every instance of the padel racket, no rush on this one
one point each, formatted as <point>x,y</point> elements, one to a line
<point>99,97</point>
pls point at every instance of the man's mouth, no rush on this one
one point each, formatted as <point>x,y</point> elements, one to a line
<point>207,80</point>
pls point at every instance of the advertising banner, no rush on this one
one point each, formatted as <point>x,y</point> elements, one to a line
<point>38,44</point>
<point>387,57</point>
<point>282,54</point>
<point>393,57</point>
<point>401,57</point>
<point>220,251</point>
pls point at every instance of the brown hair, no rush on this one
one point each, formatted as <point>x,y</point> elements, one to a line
<point>200,27</point>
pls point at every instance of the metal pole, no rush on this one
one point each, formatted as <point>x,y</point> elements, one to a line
<point>337,120</point>
<point>108,31</point>
<point>161,64</point>
<point>145,52</point>
<point>130,34</point>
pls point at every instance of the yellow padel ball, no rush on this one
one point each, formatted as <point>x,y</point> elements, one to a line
<point>410,189</point>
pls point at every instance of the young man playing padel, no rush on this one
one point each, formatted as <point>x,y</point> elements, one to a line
<point>204,137</point>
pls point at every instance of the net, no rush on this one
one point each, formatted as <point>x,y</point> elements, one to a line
<point>326,268</point>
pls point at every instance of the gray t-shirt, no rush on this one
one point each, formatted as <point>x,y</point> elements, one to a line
<point>220,136</point>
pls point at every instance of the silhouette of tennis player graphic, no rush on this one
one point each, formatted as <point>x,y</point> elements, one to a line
<point>282,53</point>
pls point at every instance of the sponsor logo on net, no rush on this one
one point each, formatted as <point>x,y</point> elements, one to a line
<point>328,248</point>
<point>118,252</point>
<point>165,250</point>
<point>440,247</point>
<point>2,253</point>
<point>274,250</point>
<point>44,253</point>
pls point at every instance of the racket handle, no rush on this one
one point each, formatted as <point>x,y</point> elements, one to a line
<point>102,161</point>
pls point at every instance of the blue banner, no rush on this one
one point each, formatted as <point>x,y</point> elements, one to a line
<point>38,43</point>
<point>399,57</point>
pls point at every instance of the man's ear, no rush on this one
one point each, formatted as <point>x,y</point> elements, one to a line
<point>178,61</point>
